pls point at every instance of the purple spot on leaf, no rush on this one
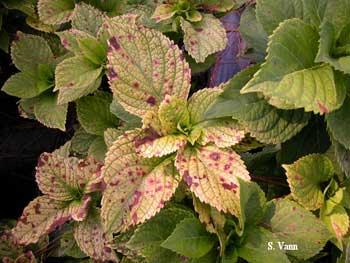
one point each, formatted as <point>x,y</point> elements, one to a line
<point>113,42</point>
<point>151,100</point>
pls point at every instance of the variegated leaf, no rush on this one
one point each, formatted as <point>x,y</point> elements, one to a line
<point>173,113</point>
<point>204,38</point>
<point>161,146</point>
<point>143,67</point>
<point>69,39</point>
<point>66,179</point>
<point>55,11</point>
<point>111,135</point>
<point>136,188</point>
<point>212,175</point>
<point>163,12</point>
<point>40,217</point>
<point>87,18</point>
<point>92,241</point>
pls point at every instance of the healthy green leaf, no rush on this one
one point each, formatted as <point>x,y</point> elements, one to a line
<point>55,11</point>
<point>69,39</point>
<point>96,108</point>
<point>22,85</point>
<point>216,6</point>
<point>261,120</point>
<point>81,141</point>
<point>190,239</point>
<point>305,179</point>
<point>343,156</point>
<point>75,78</point>
<point>69,247</point>
<point>124,115</point>
<point>255,247</point>
<point>149,236</point>
<point>289,77</point>
<point>136,188</point>
<point>212,175</point>
<point>338,123</point>
<point>66,179</point>
<point>93,50</point>
<point>49,113</point>
<point>204,38</point>
<point>98,149</point>
<point>144,66</point>
<point>91,239</point>
<point>28,51</point>
<point>87,18</point>
<point>293,224</point>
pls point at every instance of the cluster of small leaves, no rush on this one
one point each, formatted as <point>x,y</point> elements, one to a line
<point>154,174</point>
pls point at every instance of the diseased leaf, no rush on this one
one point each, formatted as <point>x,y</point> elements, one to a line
<point>204,38</point>
<point>66,179</point>
<point>69,39</point>
<point>69,247</point>
<point>136,188</point>
<point>8,247</point>
<point>163,12</point>
<point>161,146</point>
<point>305,179</point>
<point>263,121</point>
<point>41,216</point>
<point>338,123</point>
<point>149,236</point>
<point>87,18</point>
<point>96,108</point>
<point>212,176</point>
<point>55,11</point>
<point>28,51</point>
<point>293,224</point>
<point>49,113</point>
<point>173,113</point>
<point>216,6</point>
<point>75,78</point>
<point>290,79</point>
<point>92,240</point>
<point>255,247</point>
<point>143,67</point>
<point>111,135</point>
<point>190,239</point>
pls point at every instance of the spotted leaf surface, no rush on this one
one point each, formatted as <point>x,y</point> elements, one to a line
<point>69,39</point>
<point>23,55</point>
<point>305,178</point>
<point>40,217</point>
<point>293,224</point>
<point>143,67</point>
<point>162,146</point>
<point>64,179</point>
<point>111,135</point>
<point>92,241</point>
<point>55,11</point>
<point>263,121</point>
<point>76,77</point>
<point>173,113</point>
<point>163,12</point>
<point>212,176</point>
<point>87,18</point>
<point>293,80</point>
<point>204,38</point>
<point>136,188</point>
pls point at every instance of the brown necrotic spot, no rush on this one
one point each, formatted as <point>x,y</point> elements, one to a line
<point>214,156</point>
<point>113,42</point>
<point>151,100</point>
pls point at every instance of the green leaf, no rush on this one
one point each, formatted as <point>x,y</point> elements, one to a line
<point>306,177</point>
<point>336,13</point>
<point>173,113</point>
<point>290,71</point>
<point>111,135</point>
<point>25,6</point>
<point>158,68</point>
<point>338,123</point>
<point>92,241</point>
<point>136,188</point>
<point>293,224</point>
<point>204,38</point>
<point>252,203</point>
<point>69,247</point>
<point>263,121</point>
<point>22,85</point>
<point>125,116</point>
<point>96,108</point>
<point>98,149</point>
<point>29,51</point>
<point>253,33</point>
<point>81,141</point>
<point>163,12</point>
<point>200,67</point>
<point>75,78</point>
<point>49,113</point>
<point>190,239</point>
<point>255,247</point>
<point>336,219</point>
<point>87,18</point>
<point>343,156</point>
<point>93,50</point>
<point>149,236</point>
<point>69,39</point>
<point>270,13</point>
<point>212,175</point>
<point>67,179</point>
<point>161,146</point>
<point>216,6</point>
<point>55,11</point>
<point>41,216</point>
<point>313,11</point>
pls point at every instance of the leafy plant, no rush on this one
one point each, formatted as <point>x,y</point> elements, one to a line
<point>161,168</point>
